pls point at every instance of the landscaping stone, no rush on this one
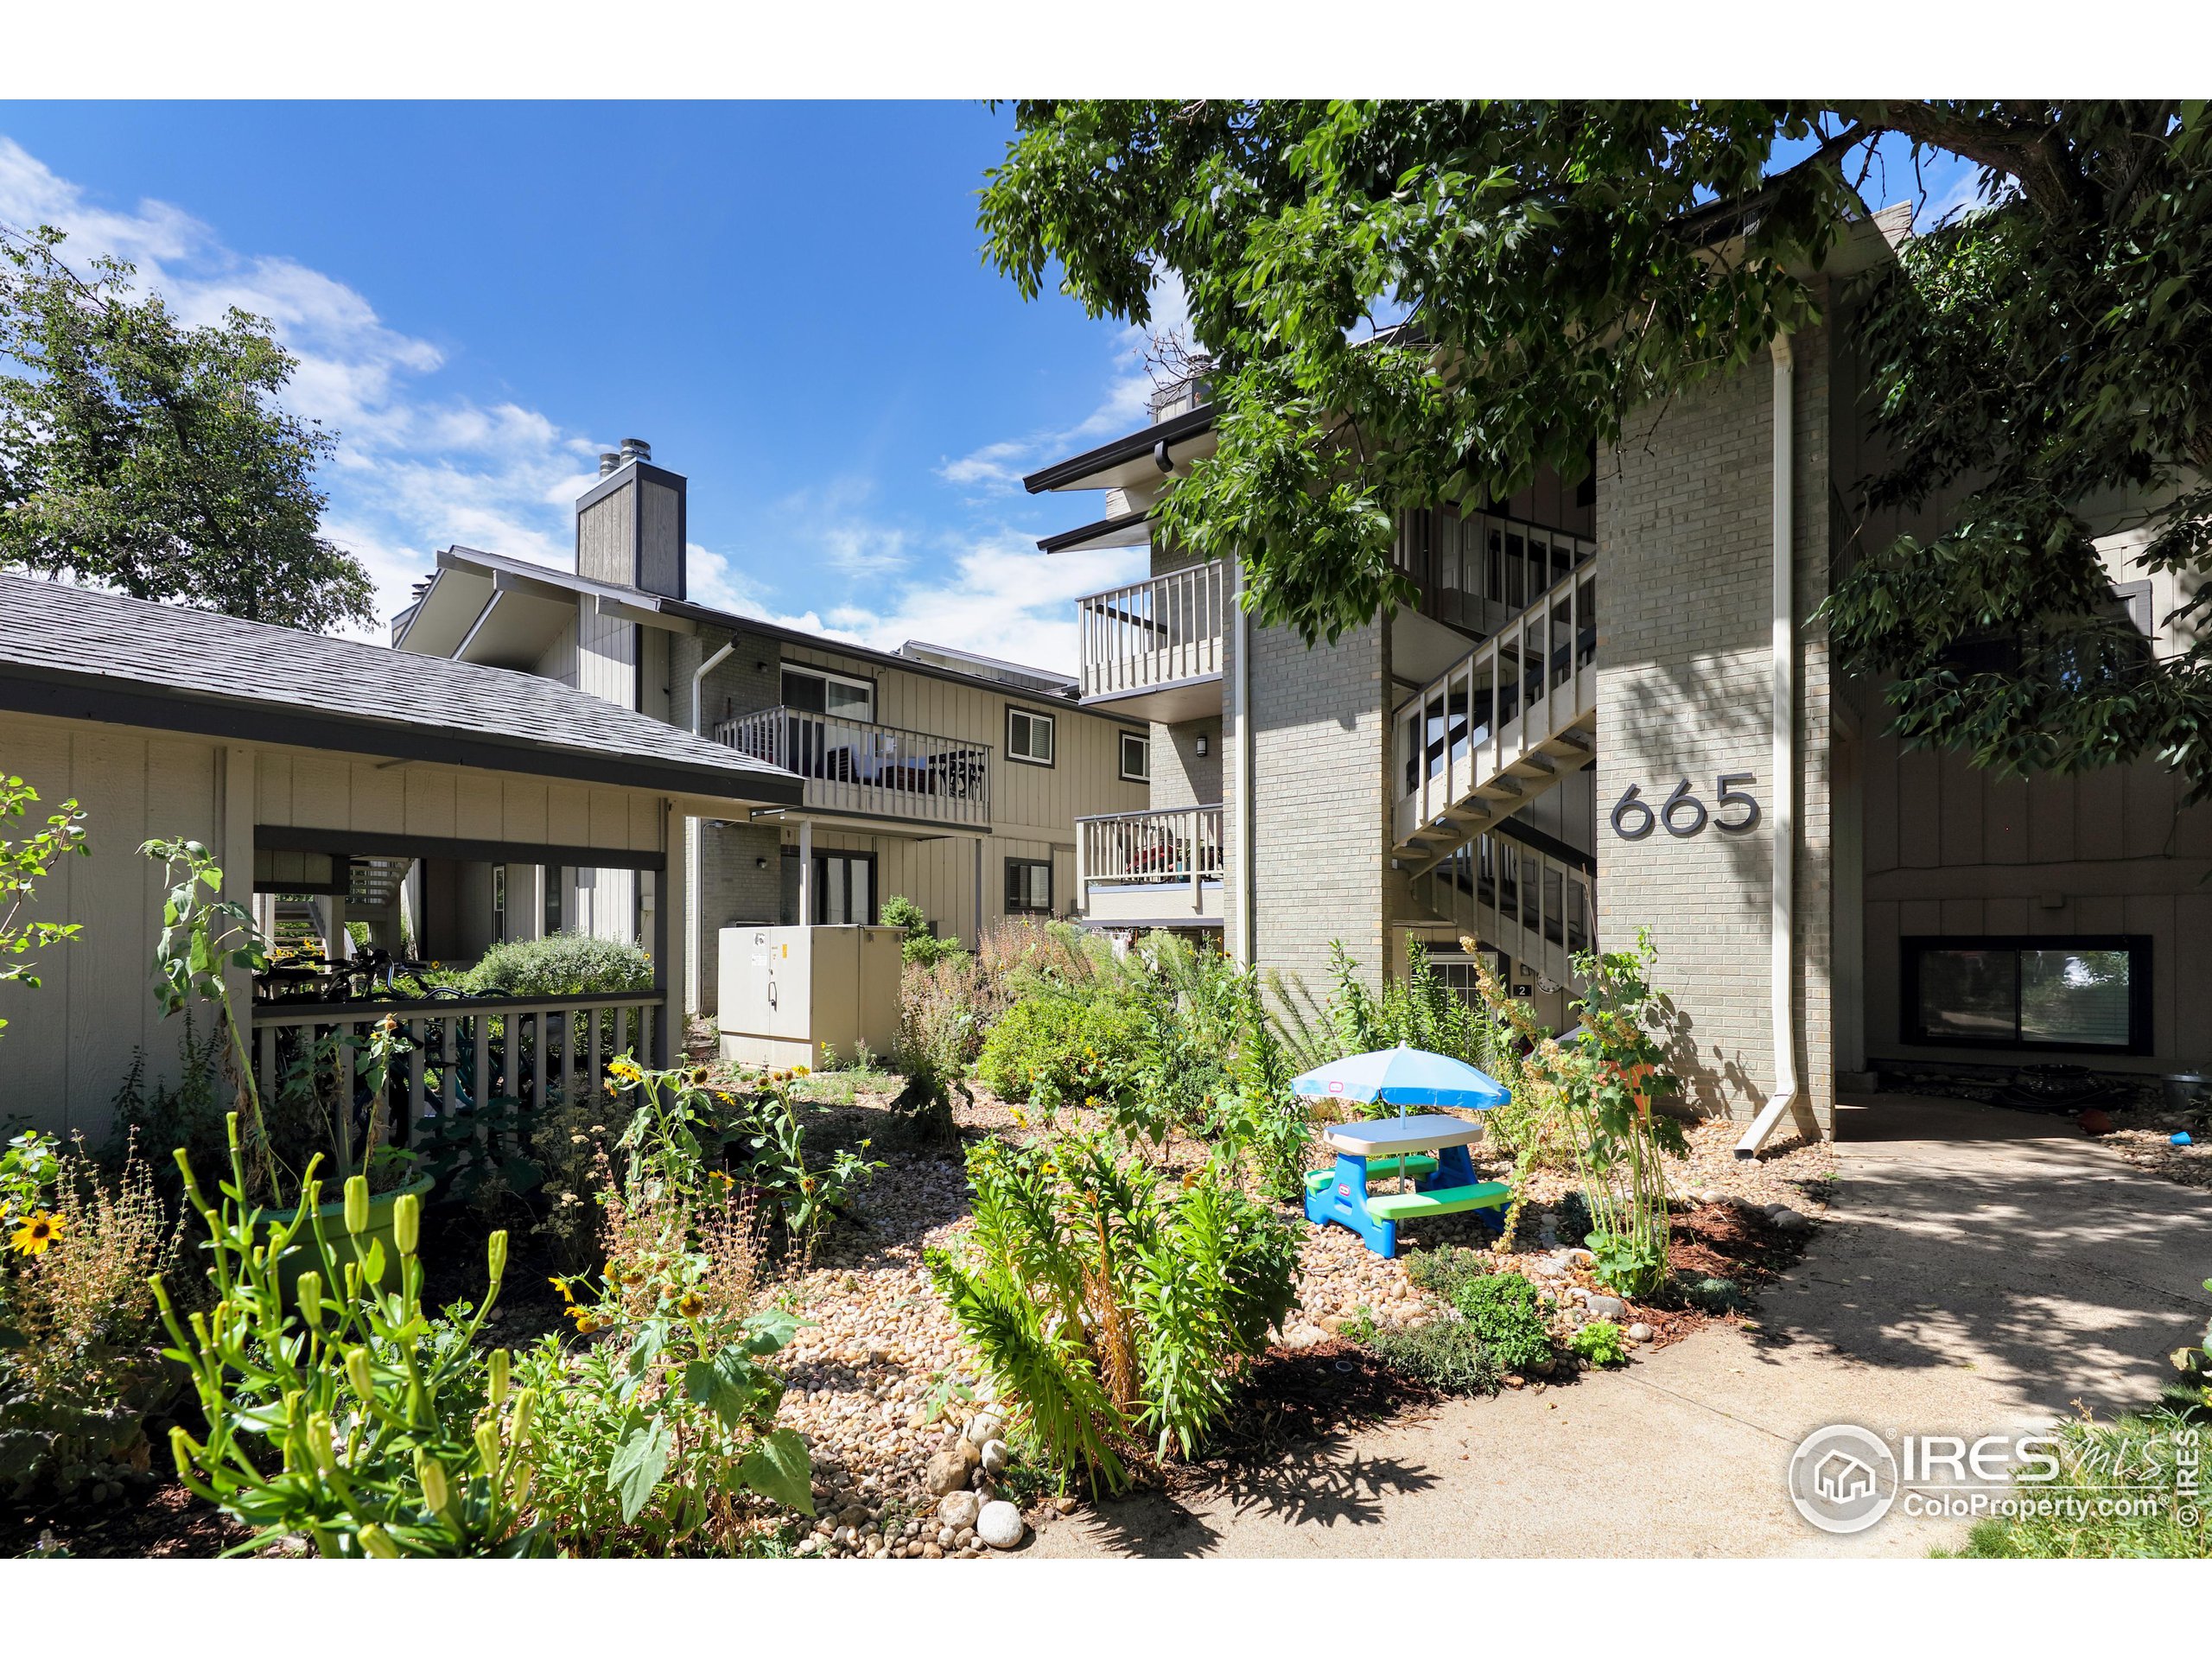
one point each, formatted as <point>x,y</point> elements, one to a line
<point>1640,1332</point>
<point>985,1426</point>
<point>995,1457</point>
<point>1000,1525</point>
<point>1789,1220</point>
<point>948,1471</point>
<point>958,1510</point>
<point>1605,1307</point>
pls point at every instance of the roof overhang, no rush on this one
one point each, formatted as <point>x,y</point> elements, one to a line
<point>1135,458</point>
<point>68,694</point>
<point>1124,529</point>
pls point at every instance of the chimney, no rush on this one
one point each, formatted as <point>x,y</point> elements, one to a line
<point>631,525</point>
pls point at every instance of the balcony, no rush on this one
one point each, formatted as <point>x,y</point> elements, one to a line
<point>1153,649</point>
<point>1151,869</point>
<point>857,769</point>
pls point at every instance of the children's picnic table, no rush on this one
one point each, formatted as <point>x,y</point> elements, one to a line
<point>1432,1148</point>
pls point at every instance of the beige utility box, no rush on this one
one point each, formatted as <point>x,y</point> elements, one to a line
<point>786,991</point>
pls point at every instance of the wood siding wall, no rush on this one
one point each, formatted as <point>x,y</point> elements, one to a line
<point>67,1046</point>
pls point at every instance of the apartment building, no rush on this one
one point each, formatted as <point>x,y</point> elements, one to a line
<point>1613,709</point>
<point>951,778</point>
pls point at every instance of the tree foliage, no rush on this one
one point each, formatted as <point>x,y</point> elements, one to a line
<point>141,454</point>
<point>1414,303</point>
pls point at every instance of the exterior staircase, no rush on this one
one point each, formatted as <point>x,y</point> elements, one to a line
<point>1498,727</point>
<point>1538,909</point>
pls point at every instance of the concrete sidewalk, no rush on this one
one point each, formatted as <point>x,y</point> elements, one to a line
<point>1980,1271</point>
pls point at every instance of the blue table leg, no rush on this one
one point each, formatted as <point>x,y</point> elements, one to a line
<point>1454,1167</point>
<point>1345,1201</point>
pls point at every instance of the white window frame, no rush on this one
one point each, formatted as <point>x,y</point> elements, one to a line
<point>1051,724</point>
<point>1143,773</point>
<point>830,676</point>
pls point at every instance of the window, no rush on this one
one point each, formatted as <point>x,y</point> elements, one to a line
<point>554,875</point>
<point>816,691</point>
<point>1029,736</point>
<point>1137,758</point>
<point>1029,887</point>
<point>2084,994</point>
<point>844,888</point>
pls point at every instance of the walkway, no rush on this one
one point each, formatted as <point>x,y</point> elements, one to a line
<point>1981,1270</point>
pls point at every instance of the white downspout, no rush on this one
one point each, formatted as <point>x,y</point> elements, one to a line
<point>693,834</point>
<point>1243,948</point>
<point>1784,818</point>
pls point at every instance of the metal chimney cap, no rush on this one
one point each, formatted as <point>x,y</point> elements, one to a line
<point>608,461</point>
<point>636,449</point>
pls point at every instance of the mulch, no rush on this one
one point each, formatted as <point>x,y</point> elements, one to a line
<point>1718,1240</point>
<point>156,1521</point>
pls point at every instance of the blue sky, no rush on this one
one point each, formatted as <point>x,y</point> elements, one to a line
<point>785,300</point>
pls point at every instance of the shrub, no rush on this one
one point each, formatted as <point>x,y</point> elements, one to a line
<point>562,964</point>
<point>1271,1127</point>
<point>1109,1302</point>
<point>921,945</point>
<point>1599,1342</point>
<point>1060,1050</point>
<point>1444,1353</point>
<point>1712,1295</point>
<point>80,1372</point>
<point>1501,1309</point>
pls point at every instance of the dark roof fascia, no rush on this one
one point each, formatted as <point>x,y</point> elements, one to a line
<point>67,696</point>
<point>1104,527</point>
<point>1128,447</point>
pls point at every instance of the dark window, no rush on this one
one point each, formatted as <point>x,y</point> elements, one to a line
<point>1029,736</point>
<point>1136,757</point>
<point>552,898</point>
<point>816,692</point>
<point>844,888</point>
<point>1029,887</point>
<point>2089,994</point>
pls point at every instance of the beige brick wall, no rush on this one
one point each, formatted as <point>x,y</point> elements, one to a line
<point>1685,626</point>
<point>1319,853</point>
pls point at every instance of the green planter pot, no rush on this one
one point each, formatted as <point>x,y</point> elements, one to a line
<point>302,1257</point>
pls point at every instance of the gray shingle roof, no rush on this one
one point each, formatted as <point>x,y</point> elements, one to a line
<point>102,656</point>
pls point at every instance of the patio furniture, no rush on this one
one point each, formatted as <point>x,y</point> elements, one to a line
<point>1431,1148</point>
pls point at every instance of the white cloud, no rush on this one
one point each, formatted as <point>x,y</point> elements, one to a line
<point>416,468</point>
<point>996,469</point>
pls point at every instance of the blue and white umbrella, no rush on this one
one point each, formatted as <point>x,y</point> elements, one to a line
<point>1403,1076</point>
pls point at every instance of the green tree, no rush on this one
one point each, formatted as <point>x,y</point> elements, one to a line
<point>1556,266</point>
<point>142,454</point>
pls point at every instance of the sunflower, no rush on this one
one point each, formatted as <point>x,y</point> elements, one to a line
<point>691,1305</point>
<point>561,1285</point>
<point>39,1230</point>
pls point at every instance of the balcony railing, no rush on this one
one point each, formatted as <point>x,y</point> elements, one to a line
<point>1538,909</point>
<point>1159,863</point>
<point>1154,633</point>
<point>856,766</point>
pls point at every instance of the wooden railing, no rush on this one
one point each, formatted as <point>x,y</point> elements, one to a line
<point>1477,570</point>
<point>852,765</point>
<point>1537,909</point>
<point>1152,633</point>
<point>1515,702</point>
<point>1177,846</point>
<point>466,1053</point>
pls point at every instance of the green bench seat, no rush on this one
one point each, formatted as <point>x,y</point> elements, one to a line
<point>1414,1164</point>
<point>1444,1201</point>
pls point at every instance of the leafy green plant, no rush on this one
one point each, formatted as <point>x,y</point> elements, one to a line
<point>2154,1455</point>
<point>1501,1309</point>
<point>202,936</point>
<point>1599,1341</point>
<point>1272,1127</point>
<point>1060,1050</point>
<point>29,1166</point>
<point>353,1416</point>
<point>1712,1295</point>
<point>24,863</point>
<point>1443,1353</point>
<point>562,964</point>
<point>665,1432</point>
<point>1109,1302</point>
<point>920,946</point>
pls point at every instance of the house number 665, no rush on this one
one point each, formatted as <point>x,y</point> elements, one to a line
<point>1682,814</point>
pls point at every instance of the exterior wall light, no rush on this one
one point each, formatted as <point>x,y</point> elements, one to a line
<point>1200,747</point>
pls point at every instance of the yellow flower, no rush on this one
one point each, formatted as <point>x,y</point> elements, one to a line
<point>561,1285</point>
<point>801,1071</point>
<point>691,1305</point>
<point>586,1325</point>
<point>39,1230</point>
